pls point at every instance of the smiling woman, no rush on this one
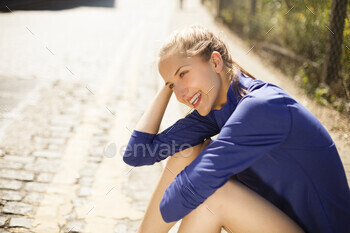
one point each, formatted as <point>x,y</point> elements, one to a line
<point>196,80</point>
<point>272,167</point>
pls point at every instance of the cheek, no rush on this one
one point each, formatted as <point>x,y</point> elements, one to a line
<point>178,96</point>
<point>208,80</point>
<point>198,80</point>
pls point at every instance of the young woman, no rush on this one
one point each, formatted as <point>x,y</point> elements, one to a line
<point>272,168</point>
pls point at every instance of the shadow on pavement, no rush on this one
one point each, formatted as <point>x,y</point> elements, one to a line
<point>52,4</point>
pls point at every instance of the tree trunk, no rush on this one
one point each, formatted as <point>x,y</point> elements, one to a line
<point>331,66</point>
<point>251,18</point>
<point>252,7</point>
<point>219,6</point>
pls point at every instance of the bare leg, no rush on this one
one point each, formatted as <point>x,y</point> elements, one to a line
<point>152,221</point>
<point>203,219</point>
<point>238,209</point>
<point>233,206</point>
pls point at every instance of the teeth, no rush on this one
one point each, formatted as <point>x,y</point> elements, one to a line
<point>195,102</point>
<point>195,97</point>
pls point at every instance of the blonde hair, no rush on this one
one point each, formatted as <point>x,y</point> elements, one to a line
<point>196,40</point>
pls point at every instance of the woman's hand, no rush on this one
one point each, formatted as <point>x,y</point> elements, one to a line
<point>205,144</point>
<point>152,117</point>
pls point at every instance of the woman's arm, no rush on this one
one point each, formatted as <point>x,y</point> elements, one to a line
<point>151,119</point>
<point>146,147</point>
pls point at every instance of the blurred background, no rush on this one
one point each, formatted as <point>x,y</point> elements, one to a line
<point>75,77</point>
<point>309,41</point>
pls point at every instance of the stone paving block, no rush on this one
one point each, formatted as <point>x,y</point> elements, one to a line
<point>55,147</point>
<point>3,221</point>
<point>64,135</point>
<point>10,184</point>
<point>85,191</point>
<point>96,143</point>
<point>63,120</point>
<point>44,165</point>
<point>18,158</point>
<point>17,174</point>
<point>21,222</point>
<point>95,159</point>
<point>45,177</point>
<point>92,166</point>
<point>86,181</point>
<point>2,202</point>
<point>18,208</point>
<point>58,134</point>
<point>35,186</point>
<point>10,164</point>
<point>101,139</point>
<point>37,147</point>
<point>105,125</point>
<point>75,226</point>
<point>126,226</point>
<point>80,201</point>
<point>87,172</point>
<point>11,195</point>
<point>55,141</point>
<point>99,132</point>
<point>33,198</point>
<point>96,152</point>
<point>139,205</point>
<point>139,194</point>
<point>71,216</point>
<point>84,93</point>
<point>47,154</point>
<point>60,128</point>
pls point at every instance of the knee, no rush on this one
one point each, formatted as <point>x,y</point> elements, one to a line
<point>192,151</point>
<point>186,156</point>
<point>218,201</point>
<point>212,210</point>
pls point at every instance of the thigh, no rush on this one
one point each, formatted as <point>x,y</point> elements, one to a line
<point>202,219</point>
<point>237,209</point>
<point>243,210</point>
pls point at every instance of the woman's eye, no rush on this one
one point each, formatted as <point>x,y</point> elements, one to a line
<point>171,86</point>
<point>182,74</point>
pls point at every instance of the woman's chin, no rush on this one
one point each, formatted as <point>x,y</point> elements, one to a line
<point>203,112</point>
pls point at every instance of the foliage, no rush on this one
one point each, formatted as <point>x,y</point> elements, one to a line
<point>300,27</point>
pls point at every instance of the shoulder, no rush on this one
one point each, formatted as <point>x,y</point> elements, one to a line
<point>265,106</point>
<point>267,97</point>
<point>261,92</point>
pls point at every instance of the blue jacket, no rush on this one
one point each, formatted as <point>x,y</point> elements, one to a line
<point>269,142</point>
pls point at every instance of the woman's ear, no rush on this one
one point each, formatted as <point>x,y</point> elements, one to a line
<point>216,61</point>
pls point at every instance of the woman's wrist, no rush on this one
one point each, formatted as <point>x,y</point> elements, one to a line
<point>151,119</point>
<point>167,89</point>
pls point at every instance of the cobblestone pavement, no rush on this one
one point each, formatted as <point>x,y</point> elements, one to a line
<point>61,165</point>
<point>87,75</point>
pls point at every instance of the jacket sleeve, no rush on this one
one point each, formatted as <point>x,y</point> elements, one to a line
<point>147,149</point>
<point>254,128</point>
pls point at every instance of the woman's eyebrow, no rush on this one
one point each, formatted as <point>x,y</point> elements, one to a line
<point>180,68</point>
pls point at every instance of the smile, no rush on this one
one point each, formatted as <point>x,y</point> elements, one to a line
<point>195,99</point>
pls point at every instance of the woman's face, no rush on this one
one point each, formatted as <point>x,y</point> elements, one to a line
<point>198,84</point>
